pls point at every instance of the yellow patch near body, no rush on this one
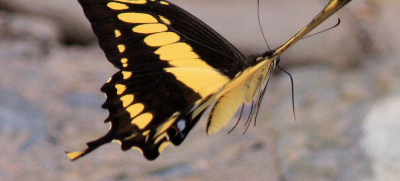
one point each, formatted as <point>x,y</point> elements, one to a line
<point>135,109</point>
<point>137,18</point>
<point>150,28</point>
<point>142,120</point>
<point>126,74</point>
<point>241,79</point>
<point>190,63</point>
<point>117,33</point>
<point>133,1</point>
<point>117,6</point>
<point>127,99</point>
<point>163,146</point>
<point>161,39</point>
<point>120,88</point>
<point>224,110</point>
<point>165,20</point>
<point>121,48</point>
<point>203,81</point>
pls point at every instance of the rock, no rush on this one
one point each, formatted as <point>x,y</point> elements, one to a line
<point>67,14</point>
<point>31,37</point>
<point>381,142</point>
<point>174,171</point>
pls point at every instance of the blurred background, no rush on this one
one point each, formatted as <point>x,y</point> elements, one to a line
<point>347,97</point>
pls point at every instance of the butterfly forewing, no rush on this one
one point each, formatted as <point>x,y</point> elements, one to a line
<point>170,64</point>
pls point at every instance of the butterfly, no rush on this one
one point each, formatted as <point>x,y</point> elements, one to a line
<point>172,67</point>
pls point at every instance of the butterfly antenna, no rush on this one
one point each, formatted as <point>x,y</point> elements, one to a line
<point>291,80</point>
<point>259,24</point>
<point>337,24</point>
<point>237,122</point>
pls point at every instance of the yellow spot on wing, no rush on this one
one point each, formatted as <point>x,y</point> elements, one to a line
<point>137,18</point>
<point>161,39</point>
<point>138,149</point>
<point>116,141</point>
<point>179,55</point>
<point>109,80</point>
<point>163,146</point>
<point>120,88</point>
<point>117,6</point>
<point>133,1</point>
<point>142,120</point>
<point>173,48</point>
<point>160,137</point>
<point>74,155</point>
<point>117,33</point>
<point>166,125</point>
<point>190,63</point>
<point>165,20</point>
<point>203,81</point>
<point>124,62</point>
<point>127,99</point>
<point>126,74</point>
<point>176,51</point>
<point>163,2</point>
<point>121,48</point>
<point>150,28</point>
<point>131,136</point>
<point>146,133</point>
<point>135,109</point>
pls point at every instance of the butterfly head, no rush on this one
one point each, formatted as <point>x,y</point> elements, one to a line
<point>268,55</point>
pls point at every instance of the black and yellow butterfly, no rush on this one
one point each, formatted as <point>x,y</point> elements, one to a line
<point>172,67</point>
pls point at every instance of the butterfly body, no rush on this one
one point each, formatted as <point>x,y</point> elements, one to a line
<point>172,67</point>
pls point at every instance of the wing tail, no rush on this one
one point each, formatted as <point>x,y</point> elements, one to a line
<point>91,146</point>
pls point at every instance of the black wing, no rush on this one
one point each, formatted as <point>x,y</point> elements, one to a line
<point>170,65</point>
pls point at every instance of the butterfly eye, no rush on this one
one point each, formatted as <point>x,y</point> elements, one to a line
<point>277,60</point>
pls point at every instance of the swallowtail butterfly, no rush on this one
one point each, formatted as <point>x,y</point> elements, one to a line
<point>172,67</point>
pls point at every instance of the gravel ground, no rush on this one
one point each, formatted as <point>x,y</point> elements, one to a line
<point>347,98</point>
